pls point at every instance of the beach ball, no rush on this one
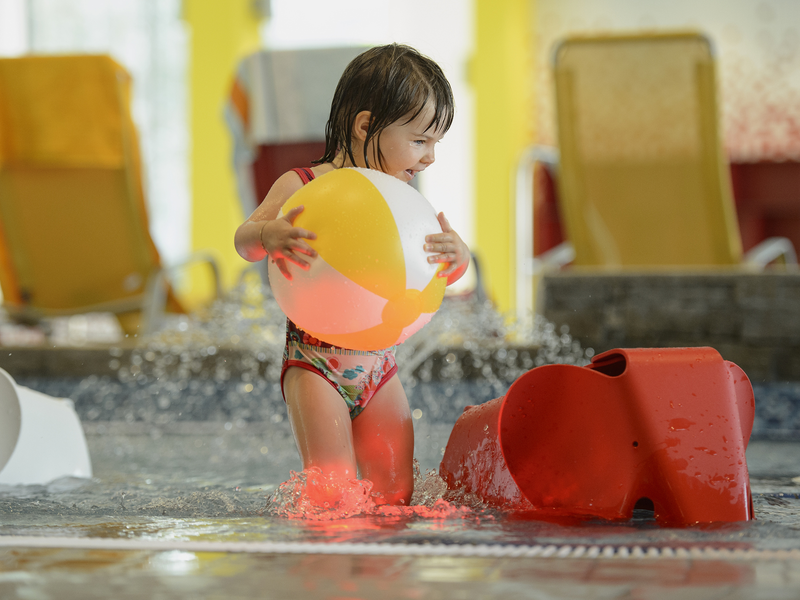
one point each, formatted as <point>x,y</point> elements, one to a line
<point>371,285</point>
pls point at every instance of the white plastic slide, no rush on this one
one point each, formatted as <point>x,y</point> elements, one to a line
<point>41,438</point>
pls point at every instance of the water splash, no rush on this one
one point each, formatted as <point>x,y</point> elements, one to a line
<point>314,496</point>
<point>223,363</point>
<point>311,495</point>
<point>469,339</point>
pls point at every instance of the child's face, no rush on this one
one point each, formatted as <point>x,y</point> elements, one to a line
<point>406,147</point>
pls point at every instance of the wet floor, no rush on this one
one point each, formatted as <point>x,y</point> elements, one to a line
<point>88,575</point>
<point>205,483</point>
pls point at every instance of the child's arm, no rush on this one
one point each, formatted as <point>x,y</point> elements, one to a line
<point>264,234</point>
<point>450,248</point>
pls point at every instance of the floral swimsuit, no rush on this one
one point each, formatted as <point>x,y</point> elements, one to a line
<point>355,374</point>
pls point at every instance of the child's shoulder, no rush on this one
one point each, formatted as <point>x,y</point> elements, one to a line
<point>286,185</point>
<point>291,181</point>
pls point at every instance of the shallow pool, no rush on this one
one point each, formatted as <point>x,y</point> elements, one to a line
<point>212,480</point>
<point>188,449</point>
<point>181,509</point>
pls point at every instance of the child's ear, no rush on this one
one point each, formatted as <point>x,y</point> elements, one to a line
<point>361,125</point>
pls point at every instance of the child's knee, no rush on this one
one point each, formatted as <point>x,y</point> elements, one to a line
<point>393,488</point>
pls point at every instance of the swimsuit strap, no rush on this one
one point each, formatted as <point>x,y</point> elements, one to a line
<point>306,175</point>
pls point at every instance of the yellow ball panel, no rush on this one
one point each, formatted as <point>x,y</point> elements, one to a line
<point>431,297</point>
<point>356,232</point>
<point>403,310</point>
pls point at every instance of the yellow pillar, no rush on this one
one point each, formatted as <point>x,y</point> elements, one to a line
<point>502,77</point>
<point>220,34</point>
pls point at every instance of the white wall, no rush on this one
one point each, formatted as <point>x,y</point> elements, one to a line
<point>13,27</point>
<point>149,39</point>
<point>441,29</point>
<point>758,44</point>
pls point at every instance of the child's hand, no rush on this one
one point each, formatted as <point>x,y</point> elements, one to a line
<point>450,248</point>
<point>285,243</point>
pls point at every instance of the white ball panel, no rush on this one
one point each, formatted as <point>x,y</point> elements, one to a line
<point>415,218</point>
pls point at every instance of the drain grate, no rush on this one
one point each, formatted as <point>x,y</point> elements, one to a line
<point>458,550</point>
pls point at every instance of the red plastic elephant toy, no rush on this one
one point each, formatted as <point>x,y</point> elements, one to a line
<point>661,428</point>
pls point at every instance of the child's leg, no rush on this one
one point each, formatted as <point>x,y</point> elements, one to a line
<point>383,436</point>
<point>321,423</point>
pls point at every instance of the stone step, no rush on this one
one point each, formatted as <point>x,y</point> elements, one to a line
<point>752,319</point>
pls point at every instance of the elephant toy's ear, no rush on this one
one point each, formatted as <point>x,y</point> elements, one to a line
<point>665,429</point>
<point>567,441</point>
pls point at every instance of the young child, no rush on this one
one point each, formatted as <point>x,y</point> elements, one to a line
<point>391,106</point>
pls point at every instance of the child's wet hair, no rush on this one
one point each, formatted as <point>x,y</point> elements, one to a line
<point>391,82</point>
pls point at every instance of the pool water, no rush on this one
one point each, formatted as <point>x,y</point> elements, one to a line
<point>184,513</point>
<point>206,481</point>
<point>188,448</point>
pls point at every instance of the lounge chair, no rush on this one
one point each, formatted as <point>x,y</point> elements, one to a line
<point>74,232</point>
<point>642,179</point>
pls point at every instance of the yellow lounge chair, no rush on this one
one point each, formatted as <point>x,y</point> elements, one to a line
<point>74,234</point>
<point>643,181</point>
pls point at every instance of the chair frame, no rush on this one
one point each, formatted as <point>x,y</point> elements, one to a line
<point>528,269</point>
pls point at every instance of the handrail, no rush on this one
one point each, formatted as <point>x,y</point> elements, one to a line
<point>522,215</point>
